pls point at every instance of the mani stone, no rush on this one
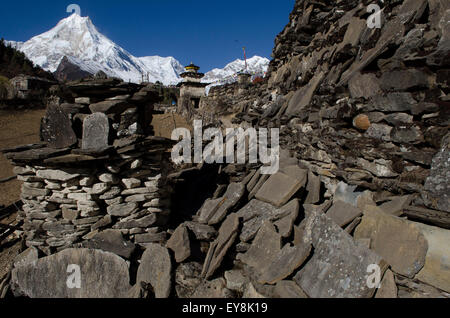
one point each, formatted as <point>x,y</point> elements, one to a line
<point>338,268</point>
<point>343,213</point>
<point>278,189</point>
<point>155,269</point>
<point>95,132</point>
<point>219,248</point>
<point>57,129</point>
<point>180,244</point>
<point>103,275</point>
<point>28,256</point>
<point>398,241</point>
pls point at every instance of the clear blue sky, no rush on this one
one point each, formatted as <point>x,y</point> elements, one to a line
<point>209,33</point>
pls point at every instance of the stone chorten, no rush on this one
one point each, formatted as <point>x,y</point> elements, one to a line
<point>192,89</point>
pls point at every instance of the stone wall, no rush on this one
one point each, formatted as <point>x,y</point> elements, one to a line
<point>97,168</point>
<point>69,200</point>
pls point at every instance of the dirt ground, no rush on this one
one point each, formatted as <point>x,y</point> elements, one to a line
<point>16,128</point>
<point>163,125</point>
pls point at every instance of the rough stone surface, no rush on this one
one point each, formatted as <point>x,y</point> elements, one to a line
<point>180,244</point>
<point>111,241</point>
<point>155,269</point>
<point>219,248</point>
<point>338,268</point>
<point>95,132</point>
<point>57,128</point>
<point>103,275</point>
<point>388,287</point>
<point>343,213</point>
<point>278,190</point>
<point>264,249</point>
<point>287,289</point>
<point>399,242</point>
<point>438,183</point>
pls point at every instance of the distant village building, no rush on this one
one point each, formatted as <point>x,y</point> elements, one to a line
<point>28,87</point>
<point>191,88</point>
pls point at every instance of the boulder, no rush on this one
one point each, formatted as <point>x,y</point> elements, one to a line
<point>103,275</point>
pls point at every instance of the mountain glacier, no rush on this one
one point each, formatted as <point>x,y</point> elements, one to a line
<point>77,38</point>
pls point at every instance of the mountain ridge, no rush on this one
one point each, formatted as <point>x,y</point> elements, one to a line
<point>78,39</point>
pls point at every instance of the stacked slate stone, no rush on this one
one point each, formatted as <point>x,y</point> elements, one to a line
<point>96,169</point>
<point>366,106</point>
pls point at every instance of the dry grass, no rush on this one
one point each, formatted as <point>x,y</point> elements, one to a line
<point>163,125</point>
<point>16,128</point>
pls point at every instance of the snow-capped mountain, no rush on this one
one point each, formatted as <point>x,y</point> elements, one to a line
<point>85,47</point>
<point>77,38</point>
<point>256,66</point>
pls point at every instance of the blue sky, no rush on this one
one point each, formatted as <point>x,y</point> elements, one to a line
<point>209,33</point>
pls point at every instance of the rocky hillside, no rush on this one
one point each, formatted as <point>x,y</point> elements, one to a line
<point>14,63</point>
<point>358,209</point>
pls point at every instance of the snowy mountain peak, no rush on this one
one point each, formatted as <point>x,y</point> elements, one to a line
<point>79,40</point>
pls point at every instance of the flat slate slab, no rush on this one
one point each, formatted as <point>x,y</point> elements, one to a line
<point>95,132</point>
<point>339,266</point>
<point>264,248</point>
<point>180,244</point>
<point>103,275</point>
<point>111,241</point>
<point>156,269</point>
<point>343,213</point>
<point>256,212</point>
<point>227,235</point>
<point>214,211</point>
<point>56,128</point>
<point>398,241</point>
<point>285,263</point>
<point>279,189</point>
<point>36,154</point>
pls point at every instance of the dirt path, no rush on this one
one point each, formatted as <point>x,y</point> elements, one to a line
<point>16,128</point>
